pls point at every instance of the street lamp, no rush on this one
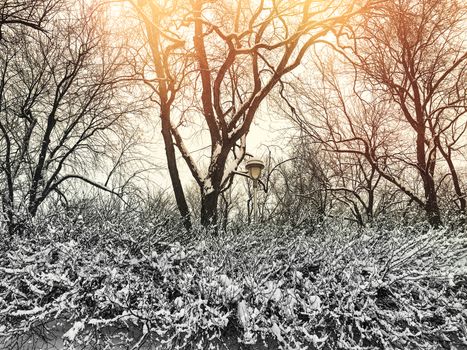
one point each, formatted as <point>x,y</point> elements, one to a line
<point>254,167</point>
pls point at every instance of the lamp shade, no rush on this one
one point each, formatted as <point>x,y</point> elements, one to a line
<point>254,167</point>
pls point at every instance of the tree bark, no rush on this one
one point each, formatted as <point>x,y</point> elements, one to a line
<point>209,209</point>
<point>433,212</point>
<point>173,172</point>
<point>8,211</point>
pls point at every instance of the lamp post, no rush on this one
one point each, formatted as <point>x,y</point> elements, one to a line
<point>254,167</point>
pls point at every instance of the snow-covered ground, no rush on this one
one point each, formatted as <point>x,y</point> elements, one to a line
<point>128,285</point>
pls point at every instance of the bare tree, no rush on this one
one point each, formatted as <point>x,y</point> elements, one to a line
<point>356,142</point>
<point>402,108</point>
<point>415,52</point>
<point>214,63</point>
<point>354,184</point>
<point>296,186</point>
<point>60,110</point>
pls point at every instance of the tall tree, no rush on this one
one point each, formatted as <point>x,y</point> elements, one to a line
<point>415,52</point>
<point>214,63</point>
<point>60,108</point>
<point>403,105</point>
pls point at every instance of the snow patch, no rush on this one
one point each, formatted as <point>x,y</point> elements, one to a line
<point>73,331</point>
<point>34,311</point>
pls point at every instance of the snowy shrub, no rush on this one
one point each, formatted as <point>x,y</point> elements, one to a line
<point>133,285</point>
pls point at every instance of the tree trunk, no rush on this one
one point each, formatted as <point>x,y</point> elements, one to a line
<point>211,190</point>
<point>370,211</point>
<point>209,208</point>
<point>426,166</point>
<point>431,207</point>
<point>8,212</point>
<point>433,214</point>
<point>174,176</point>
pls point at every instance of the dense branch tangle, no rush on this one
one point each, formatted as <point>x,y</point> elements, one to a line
<point>404,106</point>
<point>418,55</point>
<point>217,61</point>
<point>61,113</point>
<point>19,15</point>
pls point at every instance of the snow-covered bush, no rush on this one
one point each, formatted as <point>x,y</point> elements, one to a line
<point>119,284</point>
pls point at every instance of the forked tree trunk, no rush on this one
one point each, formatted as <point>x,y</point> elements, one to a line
<point>426,162</point>
<point>228,119</point>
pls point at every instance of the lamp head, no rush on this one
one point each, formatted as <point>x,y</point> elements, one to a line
<point>254,167</point>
